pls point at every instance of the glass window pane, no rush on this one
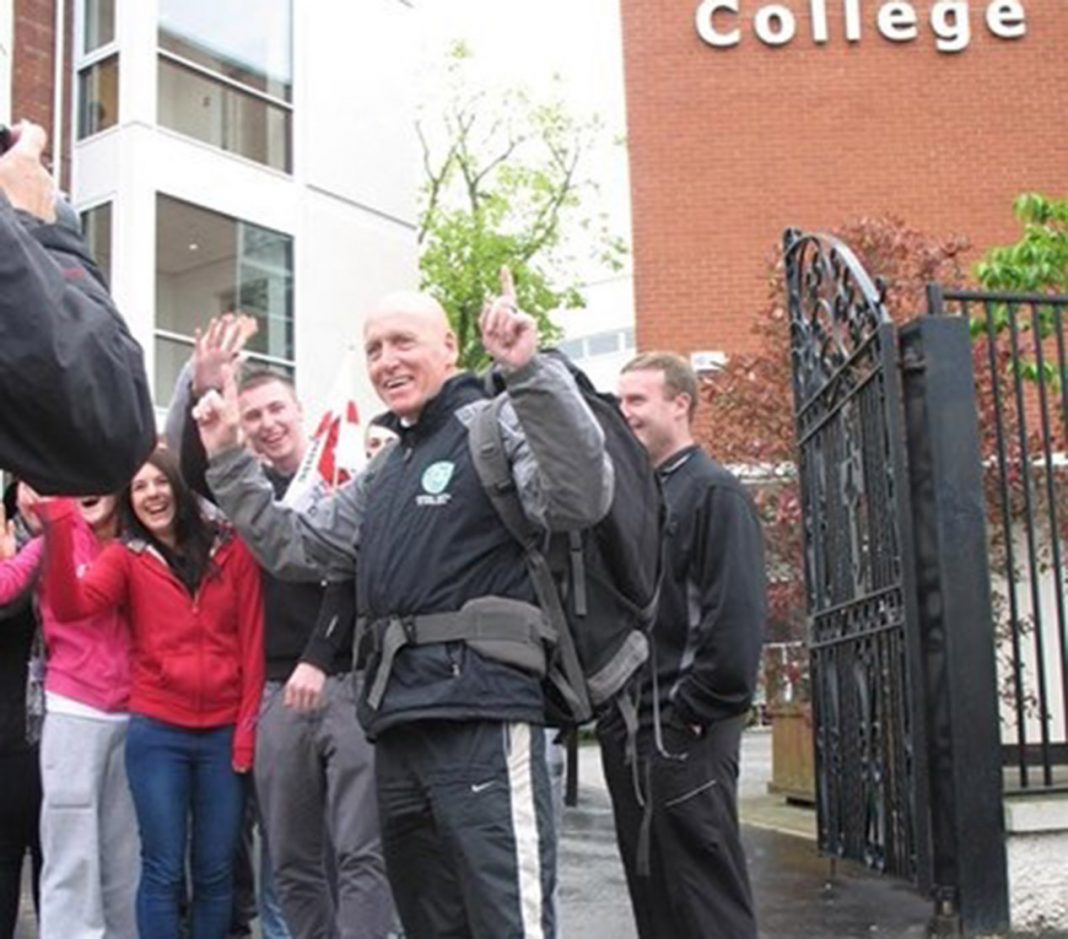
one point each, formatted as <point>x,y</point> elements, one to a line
<point>208,263</point>
<point>572,348</point>
<point>603,343</point>
<point>223,116</point>
<point>99,24</point>
<point>171,355</point>
<point>96,227</point>
<point>221,35</point>
<point>98,97</point>
<point>265,288</point>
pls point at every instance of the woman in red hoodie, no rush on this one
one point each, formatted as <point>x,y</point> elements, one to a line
<point>192,594</point>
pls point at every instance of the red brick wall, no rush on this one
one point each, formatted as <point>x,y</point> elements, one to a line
<point>33,70</point>
<point>730,146</point>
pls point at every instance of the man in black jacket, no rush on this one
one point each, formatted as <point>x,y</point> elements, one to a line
<point>75,410</point>
<point>452,635</point>
<point>688,879</point>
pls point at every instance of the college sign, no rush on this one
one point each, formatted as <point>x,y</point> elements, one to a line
<point>719,22</point>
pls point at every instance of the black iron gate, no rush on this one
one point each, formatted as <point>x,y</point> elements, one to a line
<point>903,675</point>
<point>864,641</point>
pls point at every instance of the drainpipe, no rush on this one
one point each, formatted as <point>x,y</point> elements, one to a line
<point>57,95</point>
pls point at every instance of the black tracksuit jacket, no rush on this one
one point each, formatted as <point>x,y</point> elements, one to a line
<point>713,597</point>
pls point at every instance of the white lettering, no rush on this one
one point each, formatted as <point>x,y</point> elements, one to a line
<point>442,499</point>
<point>1005,18</point>
<point>852,20</point>
<point>819,21</point>
<point>720,22</point>
<point>784,29</point>
<point>897,22</point>
<point>706,24</point>
<point>949,20</point>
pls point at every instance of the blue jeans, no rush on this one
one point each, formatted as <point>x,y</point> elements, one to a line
<point>180,777</point>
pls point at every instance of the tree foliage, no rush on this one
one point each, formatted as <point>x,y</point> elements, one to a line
<point>1038,262</point>
<point>504,186</point>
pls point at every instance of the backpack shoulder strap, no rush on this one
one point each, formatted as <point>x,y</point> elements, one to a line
<point>486,444</point>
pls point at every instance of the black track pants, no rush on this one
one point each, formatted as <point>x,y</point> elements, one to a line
<point>697,886</point>
<point>20,807</point>
<point>467,829</point>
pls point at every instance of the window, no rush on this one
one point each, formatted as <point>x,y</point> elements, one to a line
<point>98,24</point>
<point>207,264</point>
<point>226,78</point>
<point>98,97</point>
<point>96,227</point>
<point>98,68</point>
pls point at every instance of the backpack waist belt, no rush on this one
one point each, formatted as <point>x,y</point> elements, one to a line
<point>508,631</point>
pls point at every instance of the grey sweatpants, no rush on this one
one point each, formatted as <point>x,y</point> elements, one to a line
<point>88,831</point>
<point>315,786</point>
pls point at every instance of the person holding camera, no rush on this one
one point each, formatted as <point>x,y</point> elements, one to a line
<point>76,415</point>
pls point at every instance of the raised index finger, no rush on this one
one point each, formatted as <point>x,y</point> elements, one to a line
<point>507,286</point>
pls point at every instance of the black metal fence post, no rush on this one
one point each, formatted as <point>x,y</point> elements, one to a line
<point>953,582</point>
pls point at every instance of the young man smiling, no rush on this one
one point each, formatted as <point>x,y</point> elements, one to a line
<point>314,767</point>
<point>707,639</point>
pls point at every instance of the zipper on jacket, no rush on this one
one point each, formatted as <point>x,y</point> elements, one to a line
<point>395,496</point>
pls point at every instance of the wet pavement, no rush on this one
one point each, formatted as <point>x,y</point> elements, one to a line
<point>795,892</point>
<point>797,897</point>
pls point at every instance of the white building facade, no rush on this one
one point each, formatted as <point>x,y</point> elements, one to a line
<point>256,157</point>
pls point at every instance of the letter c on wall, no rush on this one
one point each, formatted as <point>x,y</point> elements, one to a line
<point>706,27</point>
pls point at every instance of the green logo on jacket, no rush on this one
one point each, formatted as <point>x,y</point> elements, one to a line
<point>437,476</point>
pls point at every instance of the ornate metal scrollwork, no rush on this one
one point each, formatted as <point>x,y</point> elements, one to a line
<point>852,476</point>
<point>834,307</point>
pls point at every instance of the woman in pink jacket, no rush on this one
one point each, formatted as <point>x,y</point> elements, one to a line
<point>88,827</point>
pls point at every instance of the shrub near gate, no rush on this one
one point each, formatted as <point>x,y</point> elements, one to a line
<point>748,419</point>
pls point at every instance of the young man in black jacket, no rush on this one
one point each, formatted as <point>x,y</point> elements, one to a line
<point>688,880</point>
<point>75,411</point>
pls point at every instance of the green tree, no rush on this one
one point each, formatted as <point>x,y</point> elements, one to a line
<point>1038,262</point>
<point>504,187</point>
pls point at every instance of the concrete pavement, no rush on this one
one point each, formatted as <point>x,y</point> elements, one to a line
<point>797,896</point>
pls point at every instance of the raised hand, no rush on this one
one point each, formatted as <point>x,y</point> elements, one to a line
<point>28,501</point>
<point>217,351</point>
<point>23,178</point>
<point>218,417</point>
<point>508,334</point>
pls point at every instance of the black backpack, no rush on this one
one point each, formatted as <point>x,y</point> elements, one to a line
<point>599,587</point>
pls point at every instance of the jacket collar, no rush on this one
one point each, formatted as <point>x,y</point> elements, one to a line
<point>677,460</point>
<point>459,390</point>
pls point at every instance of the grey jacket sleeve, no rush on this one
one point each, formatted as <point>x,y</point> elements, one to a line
<point>76,415</point>
<point>316,544</point>
<point>181,402</point>
<point>556,447</point>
